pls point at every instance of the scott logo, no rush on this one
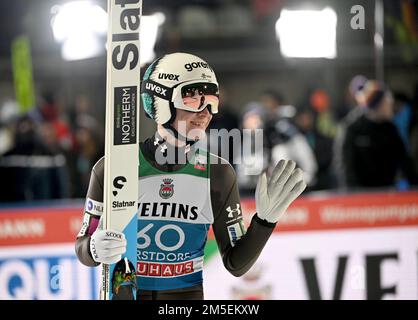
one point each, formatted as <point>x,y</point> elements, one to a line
<point>113,235</point>
<point>156,88</point>
<point>190,66</point>
<point>168,76</point>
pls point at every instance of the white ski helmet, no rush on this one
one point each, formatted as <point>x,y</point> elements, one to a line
<point>168,81</point>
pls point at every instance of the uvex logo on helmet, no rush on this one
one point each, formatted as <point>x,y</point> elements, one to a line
<point>193,65</point>
<point>168,76</point>
<point>156,88</point>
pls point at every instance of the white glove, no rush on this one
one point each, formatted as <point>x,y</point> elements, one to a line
<point>273,197</point>
<point>107,246</point>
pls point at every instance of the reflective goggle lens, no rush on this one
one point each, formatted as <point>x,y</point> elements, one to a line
<point>197,96</point>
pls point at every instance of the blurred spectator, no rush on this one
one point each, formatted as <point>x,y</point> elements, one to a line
<point>325,124</point>
<point>282,139</point>
<point>356,95</point>
<point>88,144</point>
<point>81,108</point>
<point>90,150</point>
<point>225,119</point>
<point>51,113</point>
<point>263,8</point>
<point>352,96</point>
<point>9,112</point>
<point>257,157</point>
<point>321,145</point>
<point>414,130</point>
<point>373,151</point>
<point>32,169</point>
<point>403,117</point>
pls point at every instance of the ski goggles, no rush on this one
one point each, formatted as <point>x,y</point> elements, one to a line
<point>189,96</point>
<point>196,96</point>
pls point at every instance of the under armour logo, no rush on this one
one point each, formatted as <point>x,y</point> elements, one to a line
<point>163,148</point>
<point>231,212</point>
<point>156,142</point>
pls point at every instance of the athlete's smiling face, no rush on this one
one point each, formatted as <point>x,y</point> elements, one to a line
<point>193,124</point>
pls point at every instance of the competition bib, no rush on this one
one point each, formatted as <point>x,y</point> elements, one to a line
<point>174,216</point>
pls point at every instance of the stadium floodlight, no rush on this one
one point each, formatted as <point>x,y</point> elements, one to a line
<point>78,25</point>
<point>83,47</point>
<point>307,33</point>
<point>149,32</point>
<point>81,28</point>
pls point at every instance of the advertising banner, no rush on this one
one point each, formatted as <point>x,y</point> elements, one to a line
<point>361,246</point>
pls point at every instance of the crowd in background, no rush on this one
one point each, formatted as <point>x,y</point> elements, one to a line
<point>371,142</point>
<point>47,153</point>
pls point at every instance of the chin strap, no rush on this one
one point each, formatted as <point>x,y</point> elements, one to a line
<point>178,136</point>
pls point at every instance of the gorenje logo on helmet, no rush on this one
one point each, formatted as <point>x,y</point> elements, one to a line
<point>194,65</point>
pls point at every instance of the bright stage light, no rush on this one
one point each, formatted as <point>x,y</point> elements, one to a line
<point>81,27</point>
<point>307,33</point>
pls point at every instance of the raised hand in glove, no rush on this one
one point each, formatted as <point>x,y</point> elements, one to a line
<point>107,246</point>
<point>274,195</point>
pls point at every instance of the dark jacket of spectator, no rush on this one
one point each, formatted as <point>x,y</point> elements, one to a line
<point>373,151</point>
